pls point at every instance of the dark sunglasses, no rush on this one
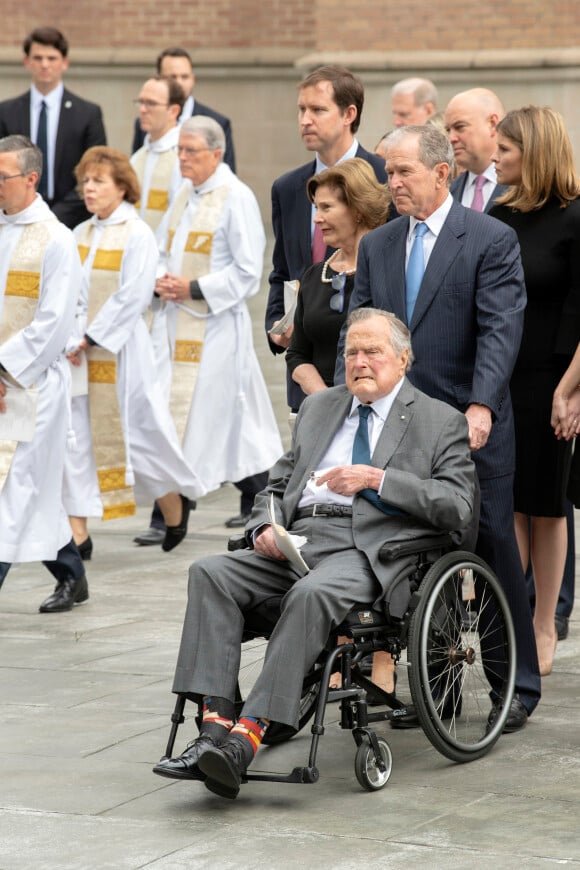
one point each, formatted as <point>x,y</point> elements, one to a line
<point>336,301</point>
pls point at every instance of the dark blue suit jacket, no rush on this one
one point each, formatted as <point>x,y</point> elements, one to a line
<point>467,323</point>
<point>292,223</point>
<point>80,126</point>
<point>458,186</point>
<point>198,109</point>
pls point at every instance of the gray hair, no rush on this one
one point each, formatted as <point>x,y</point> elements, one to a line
<point>423,90</point>
<point>434,146</point>
<point>29,156</point>
<point>210,131</point>
<point>399,334</point>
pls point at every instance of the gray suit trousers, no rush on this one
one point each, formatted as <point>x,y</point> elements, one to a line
<point>223,587</point>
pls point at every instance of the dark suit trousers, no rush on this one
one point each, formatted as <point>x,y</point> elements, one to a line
<point>222,587</point>
<point>496,544</point>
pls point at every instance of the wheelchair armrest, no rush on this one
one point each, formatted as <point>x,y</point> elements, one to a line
<point>415,545</point>
<point>237,542</point>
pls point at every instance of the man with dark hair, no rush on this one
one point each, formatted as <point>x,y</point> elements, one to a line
<point>40,278</point>
<point>160,102</point>
<point>60,123</point>
<point>330,104</point>
<point>176,63</point>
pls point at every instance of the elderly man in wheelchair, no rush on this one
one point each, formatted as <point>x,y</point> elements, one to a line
<point>372,463</point>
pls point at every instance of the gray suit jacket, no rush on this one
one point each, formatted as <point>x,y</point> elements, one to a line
<point>430,478</point>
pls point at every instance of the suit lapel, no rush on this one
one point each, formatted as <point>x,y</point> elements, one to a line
<point>62,133</point>
<point>396,425</point>
<point>303,212</point>
<point>449,243</point>
<point>394,255</point>
<point>23,111</point>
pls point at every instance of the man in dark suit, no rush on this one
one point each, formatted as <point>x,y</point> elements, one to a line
<point>176,64</point>
<point>417,477</point>
<point>60,123</point>
<point>466,327</point>
<point>330,104</point>
<point>471,118</point>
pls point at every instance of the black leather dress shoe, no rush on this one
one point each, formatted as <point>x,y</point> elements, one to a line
<point>405,720</point>
<point>517,716</point>
<point>224,767</point>
<point>185,766</point>
<point>67,593</point>
<point>237,522</point>
<point>561,623</point>
<point>174,535</point>
<point>85,548</point>
<point>150,537</point>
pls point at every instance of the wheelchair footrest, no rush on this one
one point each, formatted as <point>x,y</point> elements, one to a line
<point>306,775</point>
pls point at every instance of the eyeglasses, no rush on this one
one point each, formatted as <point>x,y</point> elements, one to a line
<point>4,178</point>
<point>336,301</point>
<point>149,104</point>
<point>181,149</point>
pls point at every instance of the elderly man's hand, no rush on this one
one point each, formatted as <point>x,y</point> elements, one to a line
<point>265,545</point>
<point>173,288</point>
<point>350,479</point>
<point>479,422</point>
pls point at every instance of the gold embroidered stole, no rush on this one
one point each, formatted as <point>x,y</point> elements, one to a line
<point>158,195</point>
<point>190,329</point>
<point>106,427</point>
<point>21,297</point>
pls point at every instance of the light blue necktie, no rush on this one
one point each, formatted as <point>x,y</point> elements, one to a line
<point>415,269</point>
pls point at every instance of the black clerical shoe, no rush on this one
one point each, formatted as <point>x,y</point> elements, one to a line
<point>174,535</point>
<point>237,522</point>
<point>67,593</point>
<point>150,537</point>
<point>85,548</point>
<point>225,766</point>
<point>561,623</point>
<point>185,766</point>
<point>517,716</point>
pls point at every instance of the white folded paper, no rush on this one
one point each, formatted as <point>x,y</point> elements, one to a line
<point>287,543</point>
<point>290,298</point>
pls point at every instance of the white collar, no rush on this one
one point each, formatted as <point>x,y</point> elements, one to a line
<point>35,212</point>
<point>167,142</point>
<point>320,166</point>
<point>382,406</point>
<point>122,213</point>
<point>53,99</point>
<point>220,177</point>
<point>489,175</point>
<point>436,220</point>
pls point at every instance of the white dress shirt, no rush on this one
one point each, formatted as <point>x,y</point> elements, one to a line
<point>53,102</point>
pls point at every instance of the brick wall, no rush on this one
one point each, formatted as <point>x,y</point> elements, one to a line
<point>321,25</point>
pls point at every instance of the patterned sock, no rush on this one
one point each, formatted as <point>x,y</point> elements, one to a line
<point>250,732</point>
<point>217,717</point>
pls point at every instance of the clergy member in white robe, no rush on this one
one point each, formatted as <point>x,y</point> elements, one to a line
<point>106,475</point>
<point>39,283</point>
<point>215,246</point>
<point>155,163</point>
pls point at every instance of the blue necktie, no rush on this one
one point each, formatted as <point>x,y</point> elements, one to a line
<point>42,143</point>
<point>415,269</point>
<point>361,455</point>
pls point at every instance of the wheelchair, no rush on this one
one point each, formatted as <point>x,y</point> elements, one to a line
<point>458,638</point>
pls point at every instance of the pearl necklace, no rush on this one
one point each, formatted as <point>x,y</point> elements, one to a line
<point>324,277</point>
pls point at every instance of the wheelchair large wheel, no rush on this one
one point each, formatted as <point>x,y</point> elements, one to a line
<point>367,771</point>
<point>463,656</point>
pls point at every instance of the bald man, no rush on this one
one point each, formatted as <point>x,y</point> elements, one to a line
<point>471,118</point>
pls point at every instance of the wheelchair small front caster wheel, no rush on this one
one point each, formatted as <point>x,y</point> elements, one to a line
<point>368,772</point>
